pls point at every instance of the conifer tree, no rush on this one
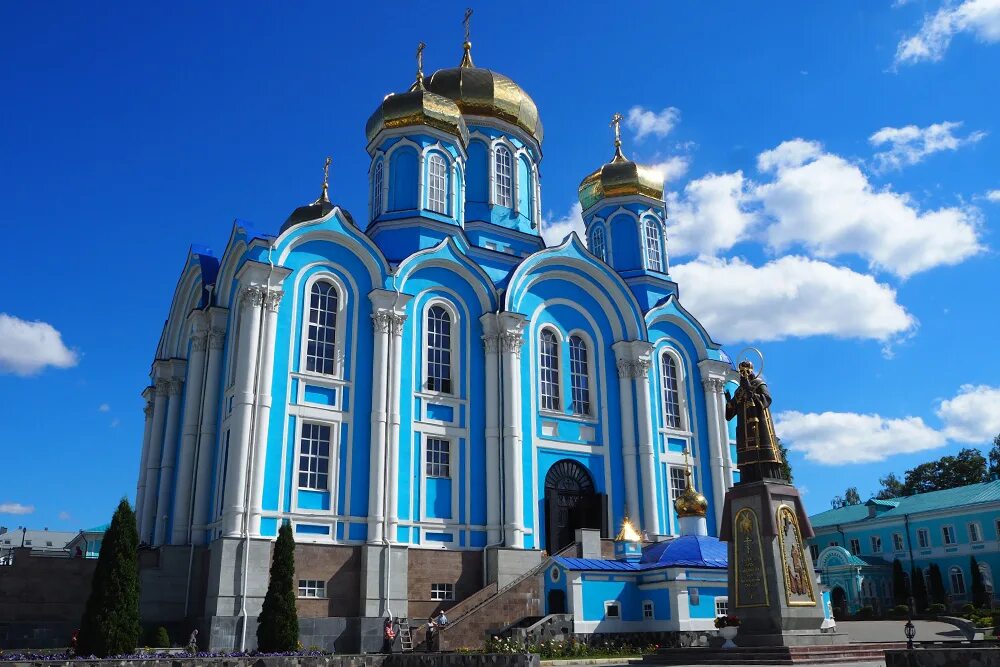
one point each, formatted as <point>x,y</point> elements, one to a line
<point>110,624</point>
<point>900,591</point>
<point>278,623</point>
<point>979,597</point>
<point>919,588</point>
<point>937,592</point>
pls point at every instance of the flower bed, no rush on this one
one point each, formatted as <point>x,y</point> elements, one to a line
<point>571,648</point>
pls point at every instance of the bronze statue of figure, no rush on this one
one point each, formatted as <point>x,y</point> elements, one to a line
<point>757,453</point>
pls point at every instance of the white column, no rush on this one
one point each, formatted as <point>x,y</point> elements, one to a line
<point>252,298</point>
<point>511,342</point>
<point>167,461</point>
<point>713,379</point>
<point>189,436</point>
<point>647,444</point>
<point>262,421</point>
<point>206,435</point>
<point>153,458</point>
<point>491,347</point>
<point>629,452</point>
<point>381,326</point>
<point>146,433</point>
<point>395,356</point>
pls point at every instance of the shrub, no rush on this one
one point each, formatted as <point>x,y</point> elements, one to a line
<point>866,613</point>
<point>968,608</point>
<point>278,623</point>
<point>901,610</point>
<point>936,608</point>
<point>110,623</point>
<point>161,638</point>
<point>728,621</point>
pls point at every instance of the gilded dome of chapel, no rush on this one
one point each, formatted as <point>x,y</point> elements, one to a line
<point>417,106</point>
<point>620,177</point>
<point>690,502</point>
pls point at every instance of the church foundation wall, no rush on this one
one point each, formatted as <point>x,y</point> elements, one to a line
<point>462,569</point>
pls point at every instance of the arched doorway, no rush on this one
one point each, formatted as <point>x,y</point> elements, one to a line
<point>839,599</point>
<point>571,503</point>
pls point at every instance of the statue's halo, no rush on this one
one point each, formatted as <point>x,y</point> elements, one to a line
<point>744,355</point>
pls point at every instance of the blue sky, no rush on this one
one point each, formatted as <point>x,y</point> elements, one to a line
<point>833,170</point>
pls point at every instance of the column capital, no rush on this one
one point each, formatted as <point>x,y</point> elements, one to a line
<point>272,299</point>
<point>253,296</point>
<point>162,387</point>
<point>174,386</point>
<point>199,340</point>
<point>148,410</point>
<point>633,358</point>
<point>491,343</point>
<point>216,338</point>
<point>388,322</point>
<point>713,383</point>
<point>511,342</point>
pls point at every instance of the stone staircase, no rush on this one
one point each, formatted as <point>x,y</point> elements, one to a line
<point>777,655</point>
<point>535,629</point>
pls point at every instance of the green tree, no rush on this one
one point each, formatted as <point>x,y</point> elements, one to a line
<point>994,470</point>
<point>161,638</point>
<point>851,496</point>
<point>948,472</point>
<point>278,623</point>
<point>979,596</point>
<point>110,623</point>
<point>919,587</point>
<point>837,502</point>
<point>786,467</point>
<point>936,592</point>
<point>900,591</point>
<point>892,487</point>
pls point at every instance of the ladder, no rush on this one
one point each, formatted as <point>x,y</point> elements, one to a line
<point>405,638</point>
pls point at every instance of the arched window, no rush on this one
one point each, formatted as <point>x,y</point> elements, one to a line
<point>651,237</point>
<point>579,376</point>
<point>548,366</point>
<point>597,243</point>
<point>377,190</point>
<point>321,335</point>
<point>438,349</point>
<point>503,177</point>
<point>957,581</point>
<point>437,184</point>
<point>670,381</point>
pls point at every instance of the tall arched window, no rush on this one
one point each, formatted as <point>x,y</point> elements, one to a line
<point>437,184</point>
<point>670,381</point>
<point>503,168</point>
<point>598,246</point>
<point>579,376</point>
<point>548,367</point>
<point>654,253</point>
<point>321,336</point>
<point>957,581</point>
<point>438,349</point>
<point>377,190</point>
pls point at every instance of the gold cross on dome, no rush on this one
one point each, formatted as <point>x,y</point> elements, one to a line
<point>467,19</point>
<point>420,60</point>
<point>616,123</point>
<point>326,177</point>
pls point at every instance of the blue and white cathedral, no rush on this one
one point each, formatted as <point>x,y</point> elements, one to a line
<point>427,393</point>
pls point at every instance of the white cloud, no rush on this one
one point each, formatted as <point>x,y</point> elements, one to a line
<point>28,347</point>
<point>645,122</point>
<point>789,297</point>
<point>827,204</point>
<point>16,508</point>
<point>104,407</point>
<point>115,422</point>
<point>65,516</point>
<point>834,438</point>
<point>557,230</point>
<point>711,215</point>
<point>993,196</point>
<point>973,415</point>
<point>911,144</point>
<point>979,17</point>
<point>672,168</point>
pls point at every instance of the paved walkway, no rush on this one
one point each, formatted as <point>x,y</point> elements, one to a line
<point>892,631</point>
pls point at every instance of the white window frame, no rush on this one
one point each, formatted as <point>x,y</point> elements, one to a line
<point>648,610</point>
<point>722,605</point>
<point>586,391</point>
<point>953,572</point>
<point>437,459</point>
<point>897,542</point>
<point>437,183</point>
<point>503,176</point>
<point>547,400</point>
<point>680,379</point>
<point>652,249</point>
<point>876,542</point>
<point>923,538</point>
<point>450,349</point>
<point>339,325</point>
<point>675,474</point>
<point>855,546</point>
<point>312,589</point>
<point>314,454</point>
<point>598,234</point>
<point>612,604</point>
<point>948,535</point>
<point>442,592</point>
<point>378,185</point>
<point>975,532</point>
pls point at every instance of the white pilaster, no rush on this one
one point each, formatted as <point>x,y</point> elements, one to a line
<point>168,460</point>
<point>713,380</point>
<point>511,342</point>
<point>377,474</point>
<point>161,385</point>
<point>251,301</point>
<point>623,361</point>
<point>396,321</point>
<point>491,348</point>
<point>647,444</point>
<point>181,519</point>
<point>263,418</point>
<point>207,432</point>
<point>147,431</point>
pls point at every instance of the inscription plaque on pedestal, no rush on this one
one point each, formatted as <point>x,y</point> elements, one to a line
<point>799,589</point>
<point>751,585</point>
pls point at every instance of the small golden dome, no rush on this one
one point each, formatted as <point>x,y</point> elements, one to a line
<point>628,533</point>
<point>417,106</point>
<point>618,178</point>
<point>690,502</point>
<point>483,92</point>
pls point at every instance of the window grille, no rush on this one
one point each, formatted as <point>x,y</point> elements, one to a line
<point>548,365</point>
<point>439,350</point>
<point>312,588</point>
<point>678,482</point>
<point>437,184</point>
<point>314,457</point>
<point>503,177</point>
<point>442,592</point>
<point>438,457</point>
<point>598,245</point>
<point>321,336</point>
<point>654,254</point>
<point>377,190</point>
<point>671,391</point>
<point>579,376</point>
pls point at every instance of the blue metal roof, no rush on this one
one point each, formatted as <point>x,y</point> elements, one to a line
<point>596,564</point>
<point>685,551</point>
<point>973,494</point>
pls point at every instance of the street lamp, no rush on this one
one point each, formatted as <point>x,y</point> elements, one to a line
<point>911,631</point>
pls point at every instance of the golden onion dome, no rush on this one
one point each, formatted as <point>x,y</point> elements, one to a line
<point>618,178</point>
<point>417,106</point>
<point>483,92</point>
<point>690,502</point>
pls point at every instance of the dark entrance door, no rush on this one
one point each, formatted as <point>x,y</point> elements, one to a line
<point>571,503</point>
<point>557,601</point>
<point>838,598</point>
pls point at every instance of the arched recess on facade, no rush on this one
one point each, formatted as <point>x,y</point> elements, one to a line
<point>571,502</point>
<point>404,176</point>
<point>449,256</point>
<point>187,297</point>
<point>672,312</point>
